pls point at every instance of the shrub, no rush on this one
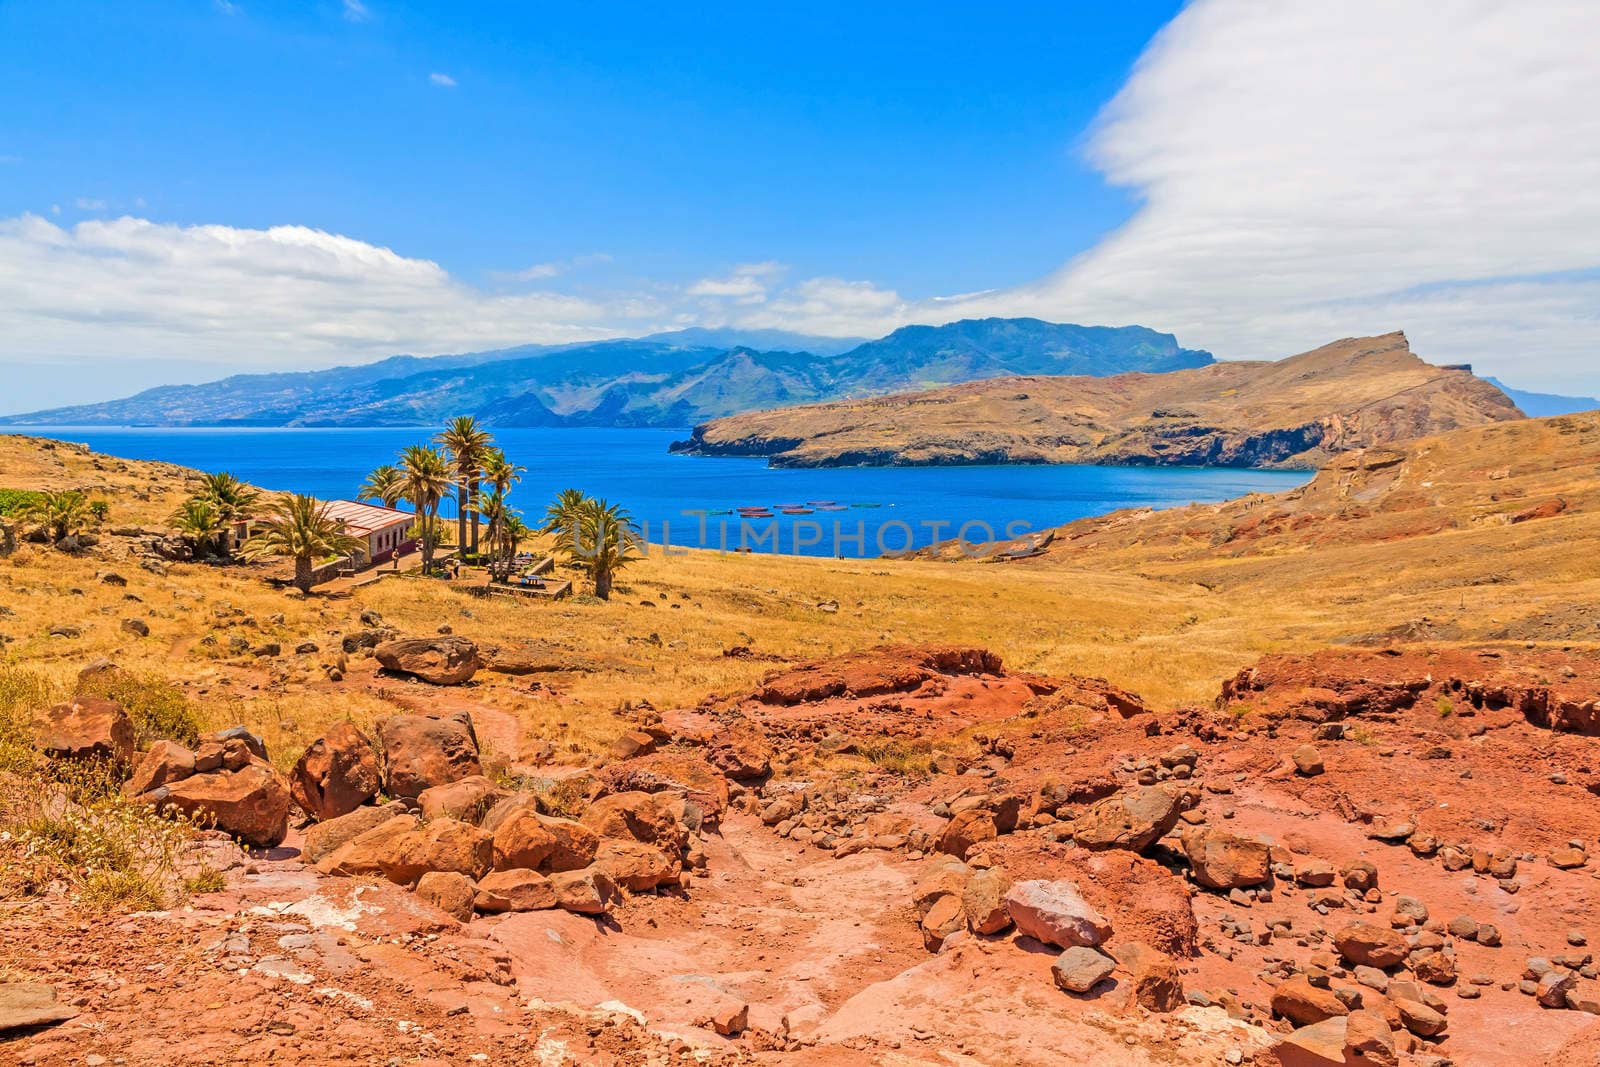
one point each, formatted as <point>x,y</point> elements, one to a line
<point>15,501</point>
<point>21,694</point>
<point>71,822</point>
<point>159,709</point>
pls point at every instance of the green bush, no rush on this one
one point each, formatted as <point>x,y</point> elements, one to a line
<point>14,500</point>
<point>159,709</point>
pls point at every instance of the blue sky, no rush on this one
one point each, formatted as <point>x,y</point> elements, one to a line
<point>932,148</point>
<point>189,190</point>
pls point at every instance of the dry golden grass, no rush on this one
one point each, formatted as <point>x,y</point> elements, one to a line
<point>1153,606</point>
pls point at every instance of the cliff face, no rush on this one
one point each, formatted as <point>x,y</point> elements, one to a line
<point>1295,412</point>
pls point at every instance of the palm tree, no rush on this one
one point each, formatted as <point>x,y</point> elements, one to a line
<point>563,512</point>
<point>468,446</point>
<point>233,500</point>
<point>301,528</point>
<point>513,533</point>
<point>427,478</point>
<point>60,514</point>
<point>500,474</point>
<point>199,522</point>
<point>604,540</point>
<point>386,484</point>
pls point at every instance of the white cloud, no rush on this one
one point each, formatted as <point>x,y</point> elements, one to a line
<point>747,283</point>
<point>553,269</point>
<point>282,296</point>
<point>227,7</point>
<point>356,11</point>
<point>442,80</point>
<point>1314,170</point>
<point>89,203</point>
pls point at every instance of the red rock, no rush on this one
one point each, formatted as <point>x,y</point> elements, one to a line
<point>1303,1004</point>
<point>166,762</point>
<point>633,743</point>
<point>515,890</point>
<point>651,818</point>
<point>1371,945</point>
<point>251,803</point>
<point>965,830</point>
<point>1157,983</point>
<point>1079,969</point>
<point>324,838</point>
<point>468,799</point>
<point>636,866</point>
<point>420,751</point>
<point>945,876</point>
<point>438,845</point>
<point>983,901</point>
<point>1222,860</point>
<point>439,660</point>
<point>1054,913</point>
<point>540,843</point>
<point>669,770</point>
<point>87,728</point>
<point>1369,1040</point>
<point>337,773</point>
<point>1321,1044</point>
<point>449,891</point>
<point>585,892</point>
<point>944,917</point>
<point>365,854</point>
<point>1419,1018</point>
<point>1132,820</point>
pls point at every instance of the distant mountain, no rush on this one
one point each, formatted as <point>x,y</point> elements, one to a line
<point>760,340</point>
<point>1539,405</point>
<point>675,379</point>
<point>1294,412</point>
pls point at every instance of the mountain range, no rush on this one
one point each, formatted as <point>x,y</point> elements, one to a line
<point>1293,412</point>
<point>668,380</point>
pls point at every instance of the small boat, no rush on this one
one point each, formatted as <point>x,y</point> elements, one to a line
<point>796,511</point>
<point>866,505</point>
<point>720,511</point>
<point>821,503</point>
<point>754,513</point>
<point>832,507</point>
<point>786,507</point>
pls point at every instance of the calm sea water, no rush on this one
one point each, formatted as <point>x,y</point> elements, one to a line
<point>666,493</point>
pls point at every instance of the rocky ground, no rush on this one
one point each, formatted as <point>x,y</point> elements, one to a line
<point>906,855</point>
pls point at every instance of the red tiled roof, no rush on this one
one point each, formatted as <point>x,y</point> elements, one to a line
<point>361,518</point>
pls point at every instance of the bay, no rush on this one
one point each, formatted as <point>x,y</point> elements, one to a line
<point>676,498</point>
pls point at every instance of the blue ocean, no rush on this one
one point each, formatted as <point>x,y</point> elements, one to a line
<point>691,501</point>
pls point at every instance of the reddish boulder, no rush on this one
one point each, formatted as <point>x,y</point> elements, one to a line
<point>1132,819</point>
<point>365,854</point>
<point>648,817</point>
<point>515,890</point>
<point>965,830</point>
<point>983,901</point>
<point>166,762</point>
<point>1154,975</point>
<point>585,892</point>
<point>88,728</point>
<point>671,770</point>
<point>468,799</point>
<point>449,891</point>
<point>1055,914</point>
<point>1302,1003</point>
<point>439,660</point>
<point>439,845</point>
<point>324,838</point>
<point>539,843</point>
<point>1370,945</point>
<point>1222,860</point>
<point>336,775</point>
<point>421,751</point>
<point>636,866</point>
<point>943,918</point>
<point>251,803</point>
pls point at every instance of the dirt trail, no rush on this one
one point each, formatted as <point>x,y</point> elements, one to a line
<point>830,950</point>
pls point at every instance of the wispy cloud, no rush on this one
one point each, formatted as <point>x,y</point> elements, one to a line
<point>552,269</point>
<point>356,11</point>
<point>90,203</point>
<point>747,283</point>
<point>1289,199</point>
<point>227,7</point>
<point>442,80</point>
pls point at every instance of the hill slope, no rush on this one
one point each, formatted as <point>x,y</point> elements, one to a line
<point>669,380</point>
<point>1294,412</point>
